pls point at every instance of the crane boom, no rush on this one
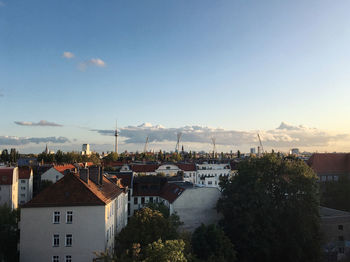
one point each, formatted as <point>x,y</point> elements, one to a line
<point>145,148</point>
<point>262,148</point>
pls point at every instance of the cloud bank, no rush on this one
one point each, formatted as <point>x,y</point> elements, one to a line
<point>68,55</point>
<point>92,62</point>
<point>40,123</point>
<point>18,141</point>
<point>284,136</point>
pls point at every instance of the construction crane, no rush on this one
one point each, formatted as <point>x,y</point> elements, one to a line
<point>213,139</point>
<point>146,144</point>
<point>177,148</point>
<point>262,148</point>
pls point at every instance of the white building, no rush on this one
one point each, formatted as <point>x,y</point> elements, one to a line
<point>55,173</point>
<point>196,206</point>
<point>78,215</point>
<point>9,186</point>
<point>209,174</point>
<point>25,185</point>
<point>86,149</point>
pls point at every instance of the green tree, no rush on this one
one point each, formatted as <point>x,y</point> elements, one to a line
<point>59,156</point>
<point>111,157</point>
<point>270,210</point>
<point>8,234</point>
<point>209,243</point>
<point>145,227</point>
<point>167,251</point>
<point>5,156</point>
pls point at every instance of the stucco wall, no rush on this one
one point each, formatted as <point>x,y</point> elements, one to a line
<point>52,175</point>
<point>37,230</point>
<point>196,206</point>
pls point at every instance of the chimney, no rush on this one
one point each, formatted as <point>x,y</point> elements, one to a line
<point>84,175</point>
<point>94,173</point>
<point>101,175</point>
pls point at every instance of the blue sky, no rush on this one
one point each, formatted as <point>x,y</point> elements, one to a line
<point>236,65</point>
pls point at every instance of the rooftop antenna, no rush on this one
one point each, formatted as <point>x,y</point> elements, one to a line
<point>116,134</point>
<point>146,144</point>
<point>177,148</point>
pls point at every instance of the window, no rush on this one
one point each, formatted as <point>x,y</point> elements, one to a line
<point>56,217</point>
<point>56,178</point>
<point>56,240</point>
<point>23,188</point>
<point>341,250</point>
<point>210,182</point>
<point>69,217</point>
<point>23,195</point>
<point>55,259</point>
<point>151,199</point>
<point>69,240</point>
<point>135,201</point>
<point>68,259</point>
<point>23,181</point>
<point>340,227</point>
<point>336,178</point>
<point>142,200</point>
<point>323,178</point>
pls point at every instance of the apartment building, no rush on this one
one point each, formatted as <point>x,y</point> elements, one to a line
<point>9,186</point>
<point>71,219</point>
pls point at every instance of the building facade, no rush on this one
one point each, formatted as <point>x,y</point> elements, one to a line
<point>25,185</point>
<point>9,186</point>
<point>72,219</point>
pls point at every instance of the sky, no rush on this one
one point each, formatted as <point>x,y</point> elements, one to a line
<point>227,69</point>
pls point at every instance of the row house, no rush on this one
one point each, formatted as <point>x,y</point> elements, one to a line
<point>330,166</point>
<point>25,184</point>
<point>209,175</point>
<point>9,186</point>
<point>56,172</point>
<point>78,215</point>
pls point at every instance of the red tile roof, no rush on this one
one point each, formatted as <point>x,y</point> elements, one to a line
<point>24,172</point>
<point>63,168</point>
<point>126,179</point>
<point>171,192</point>
<point>72,191</point>
<point>144,168</point>
<point>187,166</point>
<point>330,163</point>
<point>6,175</point>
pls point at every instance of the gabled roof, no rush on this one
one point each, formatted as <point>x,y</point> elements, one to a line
<point>62,168</point>
<point>73,191</point>
<point>144,168</point>
<point>187,166</point>
<point>126,179</point>
<point>24,172</point>
<point>330,163</point>
<point>6,175</point>
<point>171,192</point>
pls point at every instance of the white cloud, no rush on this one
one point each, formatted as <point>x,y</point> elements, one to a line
<point>17,141</point>
<point>92,62</point>
<point>284,136</point>
<point>68,55</point>
<point>40,123</point>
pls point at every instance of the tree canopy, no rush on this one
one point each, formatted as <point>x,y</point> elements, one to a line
<point>209,243</point>
<point>270,210</point>
<point>8,233</point>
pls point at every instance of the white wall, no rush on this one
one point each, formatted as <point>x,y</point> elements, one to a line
<point>52,175</point>
<point>25,189</point>
<point>37,230</point>
<point>197,205</point>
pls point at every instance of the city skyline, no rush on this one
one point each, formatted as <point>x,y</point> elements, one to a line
<point>229,69</point>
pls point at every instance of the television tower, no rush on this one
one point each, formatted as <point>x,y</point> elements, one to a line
<point>116,134</point>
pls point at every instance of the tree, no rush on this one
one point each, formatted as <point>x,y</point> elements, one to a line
<point>8,234</point>
<point>270,210</point>
<point>209,243</point>
<point>167,251</point>
<point>145,227</point>
<point>238,154</point>
<point>5,156</point>
<point>111,157</point>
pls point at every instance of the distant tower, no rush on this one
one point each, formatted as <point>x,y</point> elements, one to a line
<point>116,134</point>
<point>47,150</point>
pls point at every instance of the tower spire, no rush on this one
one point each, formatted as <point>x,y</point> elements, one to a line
<point>116,134</point>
